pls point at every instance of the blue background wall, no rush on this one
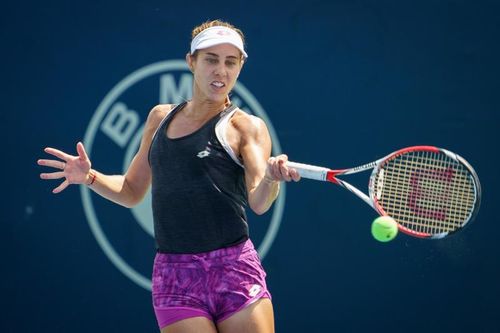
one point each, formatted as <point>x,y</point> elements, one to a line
<point>343,83</point>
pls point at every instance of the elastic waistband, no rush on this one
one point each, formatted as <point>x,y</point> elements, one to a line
<point>228,253</point>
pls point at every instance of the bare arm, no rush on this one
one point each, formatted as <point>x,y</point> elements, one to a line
<point>127,190</point>
<point>262,172</point>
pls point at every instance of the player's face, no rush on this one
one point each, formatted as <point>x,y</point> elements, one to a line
<point>215,71</point>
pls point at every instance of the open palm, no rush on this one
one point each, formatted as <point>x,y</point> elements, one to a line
<point>75,169</point>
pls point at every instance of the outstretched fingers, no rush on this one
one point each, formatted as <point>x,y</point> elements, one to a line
<point>57,153</point>
<point>52,163</point>
<point>82,154</point>
<point>52,175</point>
<point>58,164</point>
<point>74,168</point>
<point>61,187</point>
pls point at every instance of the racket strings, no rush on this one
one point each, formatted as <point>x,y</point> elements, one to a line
<point>427,192</point>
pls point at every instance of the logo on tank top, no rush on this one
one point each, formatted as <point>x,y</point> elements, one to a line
<point>204,153</point>
<point>112,139</point>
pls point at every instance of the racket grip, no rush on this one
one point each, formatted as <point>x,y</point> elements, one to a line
<point>309,171</point>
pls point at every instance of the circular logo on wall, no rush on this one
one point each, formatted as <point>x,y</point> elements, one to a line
<point>112,139</point>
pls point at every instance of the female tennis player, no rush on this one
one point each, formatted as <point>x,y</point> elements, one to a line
<point>206,161</point>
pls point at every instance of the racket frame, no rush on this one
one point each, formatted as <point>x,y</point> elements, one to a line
<point>330,175</point>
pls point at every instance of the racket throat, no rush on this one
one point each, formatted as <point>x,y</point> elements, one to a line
<point>330,177</point>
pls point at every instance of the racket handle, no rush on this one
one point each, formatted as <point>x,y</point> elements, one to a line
<point>309,171</point>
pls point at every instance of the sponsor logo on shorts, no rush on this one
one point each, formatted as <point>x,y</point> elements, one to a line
<point>254,290</point>
<point>113,137</point>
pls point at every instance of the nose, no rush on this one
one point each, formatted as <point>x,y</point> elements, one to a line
<point>220,70</point>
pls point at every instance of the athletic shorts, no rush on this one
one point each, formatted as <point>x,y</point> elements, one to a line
<point>214,284</point>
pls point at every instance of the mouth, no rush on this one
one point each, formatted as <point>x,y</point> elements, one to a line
<point>218,84</point>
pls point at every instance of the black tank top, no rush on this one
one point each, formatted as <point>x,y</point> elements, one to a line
<point>198,191</point>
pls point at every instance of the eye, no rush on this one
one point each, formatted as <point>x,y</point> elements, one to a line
<point>230,63</point>
<point>212,60</point>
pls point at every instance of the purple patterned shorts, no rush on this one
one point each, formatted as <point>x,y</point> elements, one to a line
<point>214,284</point>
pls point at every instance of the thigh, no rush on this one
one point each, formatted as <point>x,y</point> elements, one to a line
<point>255,318</point>
<point>191,325</point>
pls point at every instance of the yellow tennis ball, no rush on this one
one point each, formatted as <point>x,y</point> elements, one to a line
<point>384,228</point>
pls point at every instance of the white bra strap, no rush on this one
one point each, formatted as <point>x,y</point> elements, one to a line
<point>220,131</point>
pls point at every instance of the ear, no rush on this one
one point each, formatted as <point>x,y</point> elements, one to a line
<point>189,61</point>
<point>241,66</point>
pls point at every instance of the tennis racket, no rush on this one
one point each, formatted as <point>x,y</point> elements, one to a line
<point>430,192</point>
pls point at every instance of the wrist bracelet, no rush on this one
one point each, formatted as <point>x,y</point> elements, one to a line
<point>93,174</point>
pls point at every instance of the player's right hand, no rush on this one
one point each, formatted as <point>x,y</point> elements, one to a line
<point>74,169</point>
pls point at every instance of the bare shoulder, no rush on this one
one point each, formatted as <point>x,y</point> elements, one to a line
<point>156,115</point>
<point>159,112</point>
<point>247,124</point>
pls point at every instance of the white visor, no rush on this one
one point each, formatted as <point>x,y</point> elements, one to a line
<point>217,35</point>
